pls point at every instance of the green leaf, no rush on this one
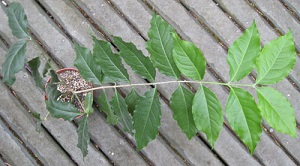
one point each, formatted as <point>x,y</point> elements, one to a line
<point>110,63</point>
<point>105,106</point>
<point>146,117</point>
<point>207,113</point>
<point>188,58</point>
<point>276,60</point>
<point>34,65</point>
<point>277,110</point>
<point>160,46</point>
<point>51,90</point>
<point>119,106</point>
<point>88,68</point>
<point>131,100</point>
<point>181,103</point>
<point>14,62</point>
<point>59,109</point>
<point>83,135</point>
<point>243,52</point>
<point>88,103</point>
<point>244,117</point>
<point>17,20</point>
<point>46,68</point>
<point>136,59</point>
<point>38,120</point>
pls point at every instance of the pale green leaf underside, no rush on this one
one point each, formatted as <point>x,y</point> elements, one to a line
<point>59,109</point>
<point>88,103</point>
<point>34,65</point>
<point>243,52</point>
<point>83,135</point>
<point>244,117</point>
<point>146,118</point>
<point>14,62</point>
<point>207,113</point>
<point>17,20</point>
<point>276,60</point>
<point>131,100</point>
<point>277,110</point>
<point>181,103</point>
<point>105,106</point>
<point>160,46</point>
<point>51,90</point>
<point>120,108</point>
<point>46,68</point>
<point>136,59</point>
<point>111,64</point>
<point>188,58</point>
<point>88,68</point>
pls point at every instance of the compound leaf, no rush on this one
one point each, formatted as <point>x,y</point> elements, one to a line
<point>181,103</point>
<point>243,52</point>
<point>207,113</point>
<point>59,109</point>
<point>136,59</point>
<point>146,118</point>
<point>244,117</point>
<point>34,65</point>
<point>83,135</point>
<point>87,66</point>
<point>46,68</point>
<point>17,20</point>
<point>131,100</point>
<point>277,110</point>
<point>160,46</point>
<point>276,60</point>
<point>88,103</point>
<point>14,62</point>
<point>110,63</point>
<point>105,106</point>
<point>188,58</point>
<point>120,108</point>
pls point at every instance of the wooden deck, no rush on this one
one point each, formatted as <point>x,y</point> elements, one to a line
<point>211,24</point>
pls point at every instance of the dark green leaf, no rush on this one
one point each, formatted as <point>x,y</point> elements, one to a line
<point>188,58</point>
<point>38,120</point>
<point>243,52</point>
<point>136,59</point>
<point>277,110</point>
<point>17,20</point>
<point>14,62</point>
<point>34,65</point>
<point>51,90</point>
<point>110,63</point>
<point>181,103</point>
<point>59,109</point>
<point>105,106</point>
<point>276,60</point>
<point>244,117</point>
<point>88,68</point>
<point>146,117</point>
<point>83,135</point>
<point>88,103</point>
<point>131,100</point>
<point>160,46</point>
<point>207,113</point>
<point>46,68</point>
<point>119,106</point>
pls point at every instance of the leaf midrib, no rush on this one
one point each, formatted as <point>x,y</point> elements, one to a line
<point>16,20</point>
<point>14,57</point>
<point>144,127</point>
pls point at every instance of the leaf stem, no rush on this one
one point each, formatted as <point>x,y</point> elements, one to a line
<point>160,83</point>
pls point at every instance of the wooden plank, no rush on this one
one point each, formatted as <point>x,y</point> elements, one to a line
<point>295,4</point>
<point>12,150</point>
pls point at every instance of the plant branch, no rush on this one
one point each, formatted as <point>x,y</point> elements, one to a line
<point>160,83</point>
